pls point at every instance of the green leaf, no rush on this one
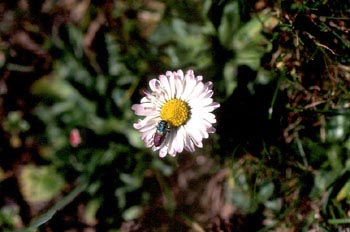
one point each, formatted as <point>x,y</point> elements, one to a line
<point>91,210</point>
<point>250,34</point>
<point>76,37</point>
<point>229,24</point>
<point>14,123</point>
<point>250,44</point>
<point>266,191</point>
<point>40,184</point>
<point>230,78</point>
<point>334,157</point>
<point>323,179</point>
<point>9,217</point>
<point>53,88</point>
<point>337,127</point>
<point>132,213</point>
<point>344,192</point>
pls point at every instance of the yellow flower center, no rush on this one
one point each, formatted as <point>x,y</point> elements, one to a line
<point>175,112</point>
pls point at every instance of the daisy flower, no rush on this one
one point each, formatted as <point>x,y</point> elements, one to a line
<point>177,113</point>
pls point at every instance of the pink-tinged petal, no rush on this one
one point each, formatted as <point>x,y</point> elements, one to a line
<point>209,85</point>
<point>172,153</point>
<point>208,126</point>
<point>189,146</point>
<point>147,137</point>
<point>154,148</point>
<point>179,74</point>
<point>143,109</point>
<point>196,142</point>
<point>199,78</point>
<point>190,74</point>
<point>211,130</point>
<point>215,105</point>
<point>140,124</point>
<point>154,85</point>
<point>163,152</point>
<point>169,73</point>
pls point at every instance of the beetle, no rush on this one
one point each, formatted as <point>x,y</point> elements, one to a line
<point>161,131</point>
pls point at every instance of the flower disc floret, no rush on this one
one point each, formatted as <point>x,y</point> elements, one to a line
<point>175,112</point>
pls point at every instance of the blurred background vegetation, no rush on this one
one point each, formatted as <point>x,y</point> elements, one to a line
<point>70,159</point>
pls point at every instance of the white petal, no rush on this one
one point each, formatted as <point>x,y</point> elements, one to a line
<point>145,99</point>
<point>172,86</point>
<point>140,124</point>
<point>165,84</point>
<point>197,91</point>
<point>200,102</point>
<point>146,128</point>
<point>204,109</point>
<point>210,117</point>
<point>190,83</point>
<point>206,94</point>
<point>200,126</point>
<point>194,135</point>
<point>181,133</point>
<point>179,87</point>
<point>172,143</point>
<point>149,120</point>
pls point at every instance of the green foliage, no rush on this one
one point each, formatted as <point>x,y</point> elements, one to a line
<point>245,40</point>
